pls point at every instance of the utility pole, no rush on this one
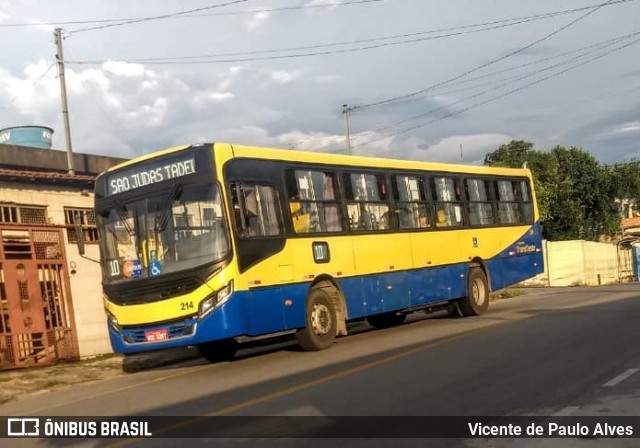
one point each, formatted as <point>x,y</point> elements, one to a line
<point>63,93</point>
<point>345,112</point>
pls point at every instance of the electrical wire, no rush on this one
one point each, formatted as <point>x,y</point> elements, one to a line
<point>189,15</point>
<point>486,64</point>
<point>497,97</point>
<point>158,17</point>
<point>455,31</point>
<point>515,79</point>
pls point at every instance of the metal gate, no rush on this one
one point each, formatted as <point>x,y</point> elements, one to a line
<point>626,272</point>
<point>36,315</point>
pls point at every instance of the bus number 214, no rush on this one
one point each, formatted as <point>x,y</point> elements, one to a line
<point>185,306</point>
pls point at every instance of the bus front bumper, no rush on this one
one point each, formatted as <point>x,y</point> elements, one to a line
<point>222,323</point>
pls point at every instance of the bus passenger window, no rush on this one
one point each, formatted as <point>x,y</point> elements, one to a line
<point>313,202</point>
<point>447,194</point>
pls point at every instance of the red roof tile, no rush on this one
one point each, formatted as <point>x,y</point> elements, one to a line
<point>631,222</point>
<point>45,175</point>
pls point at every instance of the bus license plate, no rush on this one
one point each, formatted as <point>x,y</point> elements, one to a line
<point>156,335</point>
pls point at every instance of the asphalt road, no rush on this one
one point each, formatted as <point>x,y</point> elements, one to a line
<point>552,352</point>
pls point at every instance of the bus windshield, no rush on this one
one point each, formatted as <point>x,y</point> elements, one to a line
<point>180,228</point>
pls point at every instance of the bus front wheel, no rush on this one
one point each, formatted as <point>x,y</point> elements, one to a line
<point>477,300</point>
<point>217,351</point>
<point>321,323</point>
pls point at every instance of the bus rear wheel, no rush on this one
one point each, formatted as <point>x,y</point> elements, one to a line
<point>386,320</point>
<point>321,322</point>
<point>477,300</point>
<point>217,351</point>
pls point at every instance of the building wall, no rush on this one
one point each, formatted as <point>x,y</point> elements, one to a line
<point>577,262</point>
<point>54,160</point>
<point>86,281</point>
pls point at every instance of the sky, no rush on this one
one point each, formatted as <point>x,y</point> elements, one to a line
<point>436,80</point>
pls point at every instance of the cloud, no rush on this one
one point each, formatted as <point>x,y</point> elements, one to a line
<point>258,19</point>
<point>129,108</point>
<point>474,147</point>
<point>4,15</point>
<point>624,128</point>
<point>34,91</point>
<point>122,68</point>
<point>284,76</point>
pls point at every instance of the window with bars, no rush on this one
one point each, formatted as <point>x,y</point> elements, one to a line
<point>84,217</point>
<point>23,214</point>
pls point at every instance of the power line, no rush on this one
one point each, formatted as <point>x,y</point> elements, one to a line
<point>520,77</point>
<point>193,15</point>
<point>162,16</point>
<point>497,97</point>
<point>491,62</point>
<point>453,31</point>
<point>519,66</point>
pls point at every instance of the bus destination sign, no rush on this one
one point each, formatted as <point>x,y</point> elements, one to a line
<point>146,174</point>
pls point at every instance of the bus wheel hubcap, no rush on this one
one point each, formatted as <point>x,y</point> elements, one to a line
<point>478,292</point>
<point>320,319</point>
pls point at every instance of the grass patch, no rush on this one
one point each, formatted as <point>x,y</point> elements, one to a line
<point>506,294</point>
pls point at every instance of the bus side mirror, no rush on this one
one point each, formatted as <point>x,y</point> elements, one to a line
<point>80,239</point>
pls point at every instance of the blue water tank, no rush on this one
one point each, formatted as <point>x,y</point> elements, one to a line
<point>31,136</point>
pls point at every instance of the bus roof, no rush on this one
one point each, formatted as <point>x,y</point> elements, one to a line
<point>245,151</point>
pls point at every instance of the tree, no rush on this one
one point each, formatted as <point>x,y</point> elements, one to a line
<point>512,155</point>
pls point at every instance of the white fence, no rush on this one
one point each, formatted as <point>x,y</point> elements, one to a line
<point>573,263</point>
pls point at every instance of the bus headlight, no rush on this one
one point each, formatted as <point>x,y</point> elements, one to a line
<point>215,300</point>
<point>111,319</point>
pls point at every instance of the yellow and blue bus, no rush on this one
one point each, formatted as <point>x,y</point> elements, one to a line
<point>211,244</point>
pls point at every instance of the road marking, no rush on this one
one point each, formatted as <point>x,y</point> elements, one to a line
<point>566,411</point>
<point>309,384</point>
<point>120,389</point>
<point>620,378</point>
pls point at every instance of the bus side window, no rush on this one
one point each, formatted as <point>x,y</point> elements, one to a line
<point>256,210</point>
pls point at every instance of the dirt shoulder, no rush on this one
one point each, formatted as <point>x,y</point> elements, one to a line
<point>20,383</point>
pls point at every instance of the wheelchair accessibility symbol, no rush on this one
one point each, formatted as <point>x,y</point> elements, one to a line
<point>155,268</point>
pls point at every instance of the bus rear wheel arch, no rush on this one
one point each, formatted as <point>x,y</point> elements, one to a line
<point>321,321</point>
<point>476,301</point>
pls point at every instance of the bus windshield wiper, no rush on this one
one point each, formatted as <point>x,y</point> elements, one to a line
<point>162,216</point>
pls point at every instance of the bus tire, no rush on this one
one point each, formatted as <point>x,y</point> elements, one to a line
<point>386,320</point>
<point>321,323</point>
<point>217,351</point>
<point>477,300</point>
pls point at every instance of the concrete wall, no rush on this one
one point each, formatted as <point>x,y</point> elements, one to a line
<point>85,283</point>
<point>53,160</point>
<point>86,290</point>
<point>577,262</point>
